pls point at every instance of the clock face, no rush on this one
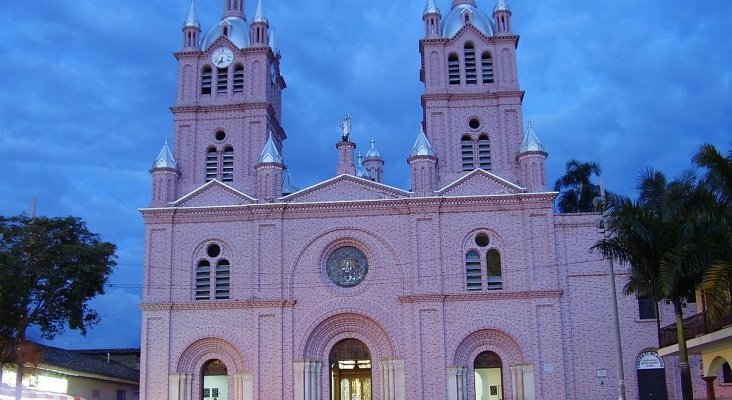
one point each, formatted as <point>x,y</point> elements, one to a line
<point>222,57</point>
<point>347,266</point>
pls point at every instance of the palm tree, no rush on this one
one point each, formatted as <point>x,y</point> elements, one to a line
<point>717,283</point>
<point>646,234</point>
<point>577,191</point>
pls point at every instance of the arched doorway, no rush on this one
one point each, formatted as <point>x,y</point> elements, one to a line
<point>215,381</point>
<point>488,369</point>
<point>651,376</point>
<point>350,370</point>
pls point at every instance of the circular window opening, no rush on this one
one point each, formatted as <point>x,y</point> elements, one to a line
<point>220,135</point>
<point>213,250</point>
<point>474,123</point>
<point>347,266</point>
<point>482,240</point>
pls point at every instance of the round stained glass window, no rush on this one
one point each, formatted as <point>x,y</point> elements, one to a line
<point>347,266</point>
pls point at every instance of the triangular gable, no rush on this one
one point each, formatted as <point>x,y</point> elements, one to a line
<point>345,188</point>
<point>221,41</point>
<point>212,194</point>
<point>478,183</point>
<point>458,37</point>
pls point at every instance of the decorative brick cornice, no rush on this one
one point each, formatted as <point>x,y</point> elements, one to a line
<point>472,96</point>
<point>217,305</point>
<point>482,296</point>
<point>221,107</point>
<point>356,207</point>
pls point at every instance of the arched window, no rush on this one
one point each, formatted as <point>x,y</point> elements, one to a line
<point>483,268</point>
<point>213,282</point>
<point>488,369</point>
<point>484,152</point>
<point>473,273</point>
<point>222,80</point>
<point>466,149</point>
<point>493,262</point>
<point>223,271</point>
<point>453,69</point>
<point>487,64</point>
<point>471,75</point>
<point>227,170</point>
<point>211,164</point>
<point>206,77</point>
<point>203,280</point>
<point>239,78</point>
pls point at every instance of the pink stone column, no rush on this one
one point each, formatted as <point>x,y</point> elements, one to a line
<point>345,158</point>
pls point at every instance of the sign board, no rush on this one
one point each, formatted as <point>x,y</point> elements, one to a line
<point>649,360</point>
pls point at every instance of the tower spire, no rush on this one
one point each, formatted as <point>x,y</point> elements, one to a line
<point>192,21</point>
<point>431,8</point>
<point>191,29</point>
<point>165,158</point>
<point>531,141</point>
<point>259,14</point>
<point>260,26</point>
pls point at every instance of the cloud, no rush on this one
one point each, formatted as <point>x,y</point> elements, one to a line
<point>87,87</point>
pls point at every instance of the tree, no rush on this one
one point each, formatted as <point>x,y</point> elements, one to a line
<point>577,192</point>
<point>717,283</point>
<point>49,269</point>
<point>647,234</point>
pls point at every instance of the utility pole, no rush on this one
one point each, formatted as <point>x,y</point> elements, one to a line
<point>616,319</point>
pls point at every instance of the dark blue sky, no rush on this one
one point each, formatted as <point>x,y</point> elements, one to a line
<point>86,86</point>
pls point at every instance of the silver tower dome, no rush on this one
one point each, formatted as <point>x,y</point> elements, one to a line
<point>238,32</point>
<point>455,20</point>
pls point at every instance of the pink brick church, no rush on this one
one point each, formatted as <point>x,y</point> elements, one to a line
<point>465,285</point>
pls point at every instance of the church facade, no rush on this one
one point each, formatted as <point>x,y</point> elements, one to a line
<point>465,286</point>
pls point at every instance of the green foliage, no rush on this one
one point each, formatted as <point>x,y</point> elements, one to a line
<point>577,192</point>
<point>717,251</point>
<point>676,234</point>
<point>49,269</point>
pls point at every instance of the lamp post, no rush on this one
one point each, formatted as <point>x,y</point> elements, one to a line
<point>616,318</point>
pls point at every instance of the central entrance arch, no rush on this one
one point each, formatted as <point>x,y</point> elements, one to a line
<point>488,369</point>
<point>350,370</point>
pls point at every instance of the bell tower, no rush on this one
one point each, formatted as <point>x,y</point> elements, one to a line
<point>229,99</point>
<point>472,101</point>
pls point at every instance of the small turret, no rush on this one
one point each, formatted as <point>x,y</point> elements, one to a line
<point>361,171</point>
<point>192,29</point>
<point>165,175</point>
<point>431,18</point>
<point>260,27</point>
<point>502,16</point>
<point>531,158</point>
<point>423,161</point>
<point>269,169</point>
<point>374,163</point>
